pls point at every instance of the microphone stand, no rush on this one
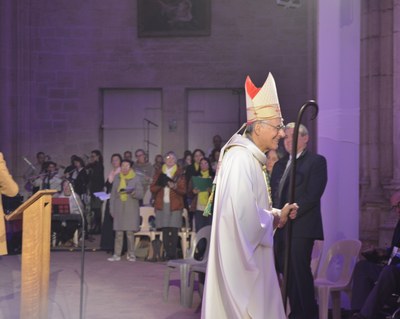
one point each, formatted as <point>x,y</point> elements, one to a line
<point>29,163</point>
<point>82,249</point>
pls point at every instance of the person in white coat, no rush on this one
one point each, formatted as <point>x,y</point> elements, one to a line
<point>241,281</point>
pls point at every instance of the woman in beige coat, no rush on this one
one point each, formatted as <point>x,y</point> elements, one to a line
<point>9,188</point>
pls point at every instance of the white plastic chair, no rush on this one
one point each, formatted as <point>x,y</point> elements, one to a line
<point>147,198</point>
<point>145,230</point>
<point>335,275</point>
<point>184,266</point>
<point>316,256</point>
<point>197,269</point>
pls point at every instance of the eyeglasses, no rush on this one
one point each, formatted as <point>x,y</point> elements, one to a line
<point>277,127</point>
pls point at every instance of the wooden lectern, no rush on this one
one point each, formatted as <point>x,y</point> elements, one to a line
<point>35,268</point>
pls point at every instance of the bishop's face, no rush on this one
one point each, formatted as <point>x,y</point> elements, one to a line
<point>268,133</point>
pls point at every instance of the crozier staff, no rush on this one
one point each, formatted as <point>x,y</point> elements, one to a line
<point>241,281</point>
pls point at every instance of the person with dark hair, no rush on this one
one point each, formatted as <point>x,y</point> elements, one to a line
<point>214,158</point>
<point>128,155</point>
<point>184,163</point>
<point>50,179</point>
<point>217,144</point>
<point>107,230</point>
<point>33,172</point>
<point>9,188</point>
<point>70,167</point>
<point>193,170</point>
<point>168,188</point>
<point>96,184</point>
<point>187,160</point>
<point>144,169</point>
<point>158,163</point>
<point>79,177</point>
<point>199,197</point>
<point>127,190</point>
<point>375,280</point>
<point>387,285</point>
<point>65,230</point>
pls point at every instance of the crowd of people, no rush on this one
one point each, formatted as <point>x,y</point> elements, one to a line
<point>167,182</point>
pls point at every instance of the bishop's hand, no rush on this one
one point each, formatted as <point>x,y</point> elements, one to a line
<point>288,211</point>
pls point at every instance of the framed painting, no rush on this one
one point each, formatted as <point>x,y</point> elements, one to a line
<point>174,18</point>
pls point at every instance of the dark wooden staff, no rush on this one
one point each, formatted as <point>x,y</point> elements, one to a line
<point>292,191</point>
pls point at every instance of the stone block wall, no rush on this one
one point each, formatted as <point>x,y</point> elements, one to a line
<point>66,52</point>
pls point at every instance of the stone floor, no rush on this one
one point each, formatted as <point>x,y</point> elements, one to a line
<point>111,289</point>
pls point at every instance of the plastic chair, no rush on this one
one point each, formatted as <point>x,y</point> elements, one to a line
<point>185,265</point>
<point>197,269</point>
<point>185,233</point>
<point>145,230</point>
<point>147,198</point>
<point>316,256</point>
<point>335,275</point>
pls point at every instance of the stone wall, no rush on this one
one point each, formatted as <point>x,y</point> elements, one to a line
<point>379,145</point>
<point>61,54</point>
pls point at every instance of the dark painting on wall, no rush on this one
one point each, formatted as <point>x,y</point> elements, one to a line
<point>174,18</point>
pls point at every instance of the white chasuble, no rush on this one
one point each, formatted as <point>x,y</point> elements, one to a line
<point>241,281</point>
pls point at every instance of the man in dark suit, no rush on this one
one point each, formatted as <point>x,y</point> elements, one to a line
<point>373,280</point>
<point>311,179</point>
<point>388,283</point>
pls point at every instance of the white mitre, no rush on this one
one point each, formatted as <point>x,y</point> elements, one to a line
<point>262,103</point>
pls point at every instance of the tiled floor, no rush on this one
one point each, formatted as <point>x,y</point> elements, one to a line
<point>111,289</point>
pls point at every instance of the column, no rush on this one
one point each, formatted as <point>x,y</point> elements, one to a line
<point>338,94</point>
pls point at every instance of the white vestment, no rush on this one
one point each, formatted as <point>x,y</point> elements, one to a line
<point>241,281</point>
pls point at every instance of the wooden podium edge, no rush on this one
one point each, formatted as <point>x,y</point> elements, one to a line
<point>35,257</point>
<point>15,214</point>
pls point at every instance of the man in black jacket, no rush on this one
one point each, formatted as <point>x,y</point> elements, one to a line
<point>96,184</point>
<point>373,281</point>
<point>311,179</point>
